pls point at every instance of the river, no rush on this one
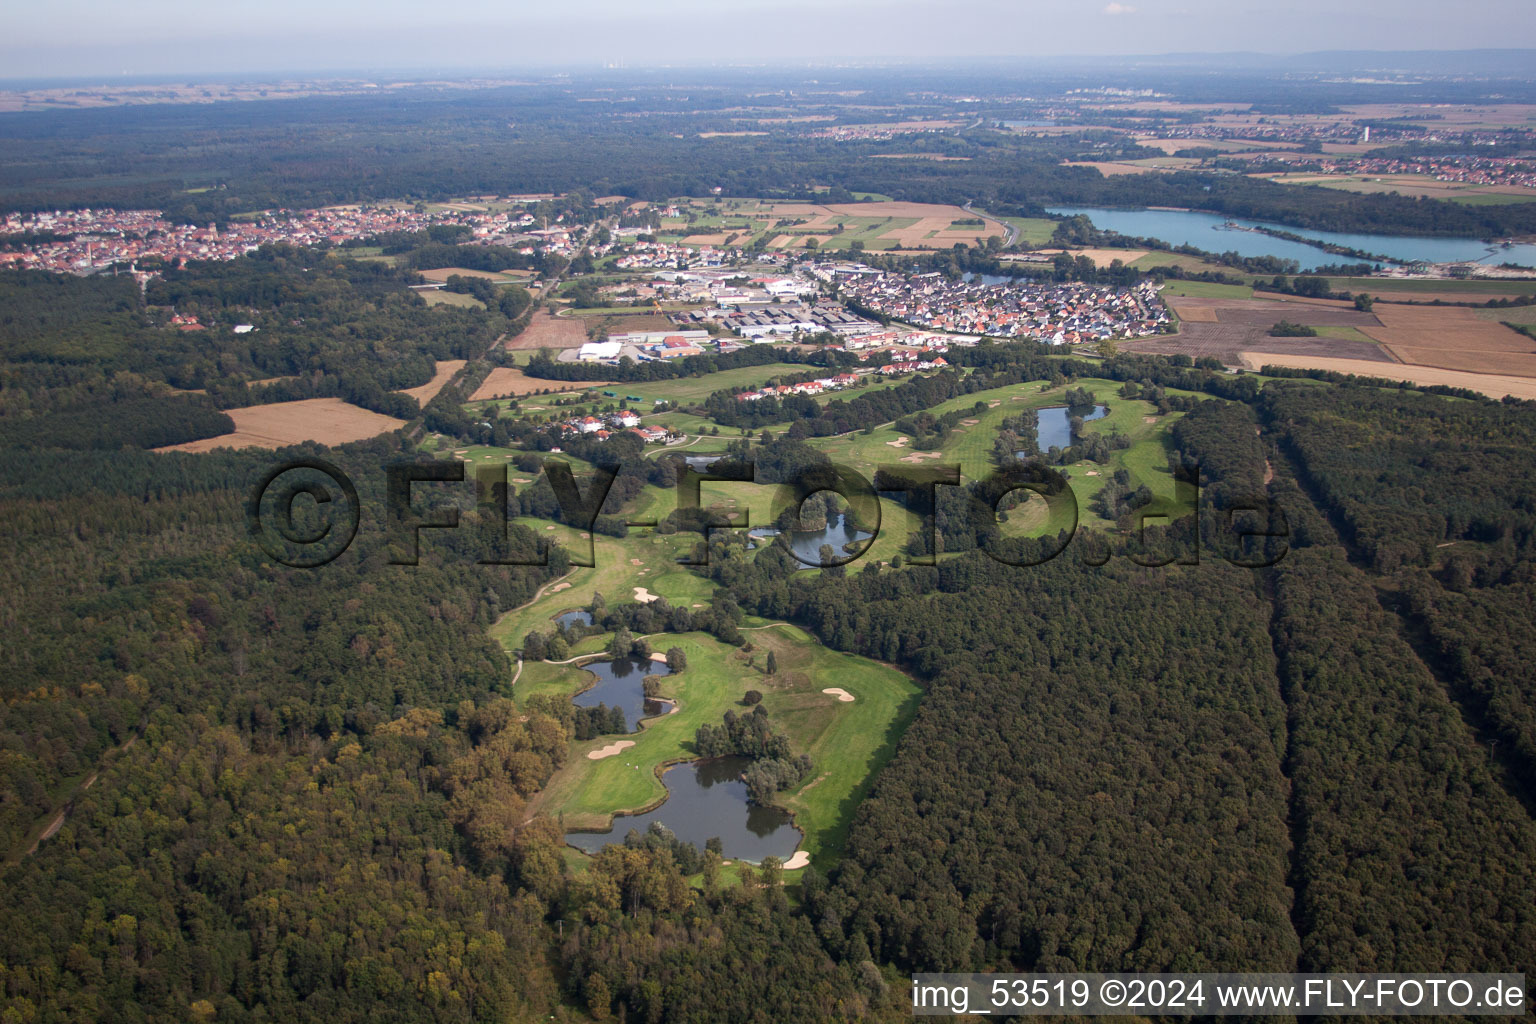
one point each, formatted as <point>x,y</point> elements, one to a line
<point>1209,231</point>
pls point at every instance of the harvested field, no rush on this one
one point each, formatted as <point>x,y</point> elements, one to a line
<point>424,393</point>
<point>546,331</point>
<point>509,381</point>
<point>1492,385</point>
<point>880,225</point>
<point>1100,257</point>
<point>1227,327</point>
<point>1228,343</point>
<point>1192,314</point>
<point>1453,338</point>
<point>917,156</point>
<point>619,324</point>
<point>326,420</point>
<point>1399,298</point>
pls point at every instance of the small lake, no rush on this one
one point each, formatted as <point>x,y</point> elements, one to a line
<point>1208,231</point>
<point>619,685</point>
<point>971,277</point>
<point>1054,425</point>
<point>579,617</point>
<point>701,463</point>
<point>706,799</point>
<point>806,544</point>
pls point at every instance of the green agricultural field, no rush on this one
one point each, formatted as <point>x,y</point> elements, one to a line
<point>1345,333</point>
<point>847,741</point>
<point>1509,315</point>
<point>1486,198</point>
<point>1208,290</point>
<point>1477,290</point>
<point>687,390</point>
<point>1192,264</point>
<point>1033,231</point>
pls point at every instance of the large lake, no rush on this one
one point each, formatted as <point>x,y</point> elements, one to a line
<point>706,799</point>
<point>1208,231</point>
<point>620,684</point>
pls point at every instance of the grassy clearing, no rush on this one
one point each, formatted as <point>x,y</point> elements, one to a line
<point>447,298</point>
<point>848,741</point>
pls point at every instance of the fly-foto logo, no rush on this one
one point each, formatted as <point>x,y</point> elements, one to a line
<point>305,513</point>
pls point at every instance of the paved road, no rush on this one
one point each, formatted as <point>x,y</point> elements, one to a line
<point>1011,232</point>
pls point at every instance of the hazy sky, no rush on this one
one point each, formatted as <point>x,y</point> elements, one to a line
<point>95,37</point>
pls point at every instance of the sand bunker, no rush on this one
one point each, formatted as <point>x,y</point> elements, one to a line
<point>658,656</point>
<point>645,596</point>
<point>558,587</point>
<point>840,693</point>
<point>900,442</point>
<point>799,860</point>
<point>613,748</point>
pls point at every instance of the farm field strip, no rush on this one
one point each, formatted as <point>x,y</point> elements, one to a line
<point>329,421</point>
<point>1492,385</point>
<point>445,370</point>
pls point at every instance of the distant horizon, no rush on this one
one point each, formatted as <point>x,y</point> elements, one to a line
<point>1169,60</point>
<point>72,39</point>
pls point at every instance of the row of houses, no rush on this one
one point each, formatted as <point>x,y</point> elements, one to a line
<point>820,385</point>
<point>1056,312</point>
<point>97,238</point>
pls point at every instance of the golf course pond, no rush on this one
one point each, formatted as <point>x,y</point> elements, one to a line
<point>705,800</point>
<point>806,544</point>
<point>620,684</point>
<point>1053,425</point>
